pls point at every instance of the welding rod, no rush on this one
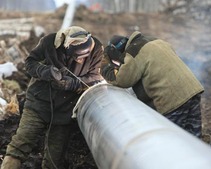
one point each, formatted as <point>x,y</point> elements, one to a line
<point>77,78</point>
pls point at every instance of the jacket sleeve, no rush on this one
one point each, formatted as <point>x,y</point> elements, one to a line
<point>126,76</point>
<point>35,59</point>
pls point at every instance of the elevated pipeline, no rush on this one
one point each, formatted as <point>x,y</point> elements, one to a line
<point>69,14</point>
<point>124,133</point>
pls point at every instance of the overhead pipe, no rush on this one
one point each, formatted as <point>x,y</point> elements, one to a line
<point>69,14</point>
<point>124,133</point>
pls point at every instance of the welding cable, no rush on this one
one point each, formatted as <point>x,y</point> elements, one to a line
<point>51,121</point>
<point>49,128</point>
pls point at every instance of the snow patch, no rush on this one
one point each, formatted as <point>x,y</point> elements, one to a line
<point>6,69</point>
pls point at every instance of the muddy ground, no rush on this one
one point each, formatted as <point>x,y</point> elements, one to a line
<point>189,36</point>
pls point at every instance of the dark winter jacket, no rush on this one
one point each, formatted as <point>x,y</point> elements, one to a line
<point>40,94</point>
<point>155,72</point>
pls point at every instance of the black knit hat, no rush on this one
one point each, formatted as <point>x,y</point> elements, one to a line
<point>119,42</point>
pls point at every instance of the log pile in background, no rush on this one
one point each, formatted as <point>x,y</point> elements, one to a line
<point>14,35</point>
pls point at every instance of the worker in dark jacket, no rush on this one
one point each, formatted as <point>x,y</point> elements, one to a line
<point>62,66</point>
<point>158,77</point>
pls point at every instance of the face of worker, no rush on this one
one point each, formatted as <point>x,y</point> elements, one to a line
<point>81,52</point>
<point>81,58</point>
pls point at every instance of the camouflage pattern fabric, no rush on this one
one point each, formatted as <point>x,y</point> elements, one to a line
<point>31,129</point>
<point>188,116</point>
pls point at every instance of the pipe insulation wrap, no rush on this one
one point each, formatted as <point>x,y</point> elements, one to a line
<point>124,133</point>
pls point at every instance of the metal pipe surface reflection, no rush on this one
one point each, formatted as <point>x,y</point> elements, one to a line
<point>124,133</point>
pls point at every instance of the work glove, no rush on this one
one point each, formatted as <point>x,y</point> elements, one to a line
<point>48,73</point>
<point>109,72</point>
<point>114,55</point>
<point>64,71</point>
<point>67,83</point>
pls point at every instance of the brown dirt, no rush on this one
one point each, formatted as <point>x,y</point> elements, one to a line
<point>190,38</point>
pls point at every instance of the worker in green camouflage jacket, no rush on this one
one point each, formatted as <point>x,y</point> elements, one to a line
<point>158,77</point>
<point>62,66</point>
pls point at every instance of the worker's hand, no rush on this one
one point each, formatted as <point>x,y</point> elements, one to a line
<point>48,73</point>
<point>67,83</point>
<point>115,56</point>
<point>64,71</point>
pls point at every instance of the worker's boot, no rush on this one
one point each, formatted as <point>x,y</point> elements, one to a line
<point>10,163</point>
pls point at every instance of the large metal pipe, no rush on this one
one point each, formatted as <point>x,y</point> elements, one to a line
<point>124,133</point>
